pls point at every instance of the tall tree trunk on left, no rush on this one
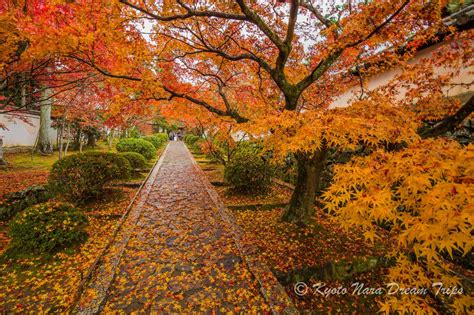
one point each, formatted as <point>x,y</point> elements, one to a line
<point>23,92</point>
<point>44,142</point>
<point>60,140</point>
<point>68,132</point>
<point>2,160</point>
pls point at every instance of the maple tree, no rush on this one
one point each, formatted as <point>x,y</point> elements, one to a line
<point>273,68</point>
<point>247,62</point>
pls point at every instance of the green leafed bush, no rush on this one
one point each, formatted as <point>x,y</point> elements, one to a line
<point>192,141</point>
<point>82,176</point>
<point>47,228</point>
<point>21,200</point>
<point>156,140</point>
<point>248,172</point>
<point>141,146</point>
<point>136,160</point>
<point>162,136</point>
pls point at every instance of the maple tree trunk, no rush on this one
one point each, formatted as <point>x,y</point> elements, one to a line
<point>44,141</point>
<point>68,139</point>
<point>77,137</point>
<point>91,140</point>
<point>60,140</point>
<point>80,141</point>
<point>111,138</point>
<point>300,210</point>
<point>23,92</point>
<point>2,160</point>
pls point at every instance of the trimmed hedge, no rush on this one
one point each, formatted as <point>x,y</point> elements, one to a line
<point>135,159</point>
<point>156,140</point>
<point>141,146</point>
<point>248,172</point>
<point>47,228</point>
<point>162,136</point>
<point>192,141</point>
<point>82,176</point>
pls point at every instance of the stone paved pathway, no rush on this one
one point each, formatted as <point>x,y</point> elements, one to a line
<point>179,254</point>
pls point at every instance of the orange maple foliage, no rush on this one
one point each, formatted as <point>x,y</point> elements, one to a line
<point>275,68</point>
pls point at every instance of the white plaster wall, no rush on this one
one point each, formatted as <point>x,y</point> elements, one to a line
<point>465,76</point>
<point>21,133</point>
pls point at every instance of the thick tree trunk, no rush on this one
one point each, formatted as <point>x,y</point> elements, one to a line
<point>2,160</point>
<point>44,142</point>
<point>91,140</point>
<point>300,210</point>
<point>77,137</point>
<point>111,138</point>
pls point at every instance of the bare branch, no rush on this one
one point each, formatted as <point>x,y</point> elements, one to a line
<point>103,71</point>
<point>309,6</point>
<point>189,14</point>
<point>234,115</point>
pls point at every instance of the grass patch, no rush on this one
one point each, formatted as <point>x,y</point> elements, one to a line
<point>37,161</point>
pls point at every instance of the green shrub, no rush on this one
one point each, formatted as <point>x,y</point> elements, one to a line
<point>248,172</point>
<point>157,141</point>
<point>191,139</point>
<point>134,132</point>
<point>82,176</point>
<point>21,200</point>
<point>47,228</point>
<point>162,136</point>
<point>136,160</point>
<point>141,146</point>
<point>193,142</point>
<point>119,167</point>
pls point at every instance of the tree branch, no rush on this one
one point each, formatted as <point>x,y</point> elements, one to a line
<point>450,122</point>
<point>309,6</point>
<point>234,115</point>
<point>292,22</point>
<point>103,71</point>
<point>319,70</point>
<point>260,23</point>
<point>379,27</point>
<point>190,13</point>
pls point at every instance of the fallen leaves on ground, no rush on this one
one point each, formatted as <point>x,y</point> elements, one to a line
<point>16,180</point>
<point>285,247</point>
<point>36,285</point>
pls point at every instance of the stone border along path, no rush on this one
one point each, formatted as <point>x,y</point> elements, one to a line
<point>179,250</point>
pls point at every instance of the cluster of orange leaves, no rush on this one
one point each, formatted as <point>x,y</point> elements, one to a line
<point>372,122</point>
<point>425,194</point>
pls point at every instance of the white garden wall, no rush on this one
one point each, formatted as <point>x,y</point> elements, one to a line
<point>466,76</point>
<point>19,133</point>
